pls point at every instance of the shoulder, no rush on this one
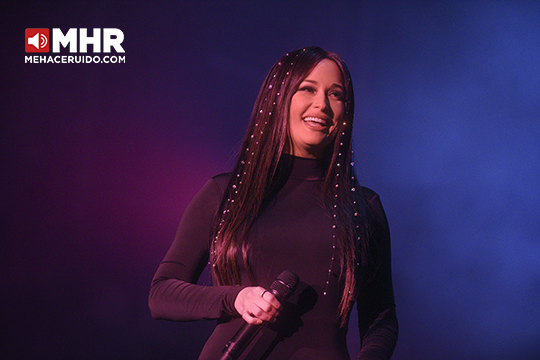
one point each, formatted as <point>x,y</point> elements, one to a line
<point>374,207</point>
<point>211,193</point>
<point>220,182</point>
<point>369,194</point>
<point>214,189</point>
<point>222,179</point>
<point>372,200</point>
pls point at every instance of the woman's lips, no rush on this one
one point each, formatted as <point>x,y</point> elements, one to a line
<point>315,122</point>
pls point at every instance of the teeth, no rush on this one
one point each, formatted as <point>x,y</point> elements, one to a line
<point>315,120</point>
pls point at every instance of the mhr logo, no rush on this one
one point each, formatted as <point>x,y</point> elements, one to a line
<point>38,40</point>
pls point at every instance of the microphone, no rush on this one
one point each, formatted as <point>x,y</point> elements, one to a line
<point>282,288</point>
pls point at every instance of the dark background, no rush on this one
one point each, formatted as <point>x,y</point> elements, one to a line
<point>100,160</point>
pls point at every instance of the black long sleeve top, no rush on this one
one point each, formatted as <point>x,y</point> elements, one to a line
<point>292,233</point>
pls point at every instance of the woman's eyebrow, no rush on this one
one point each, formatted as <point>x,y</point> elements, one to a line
<point>316,83</point>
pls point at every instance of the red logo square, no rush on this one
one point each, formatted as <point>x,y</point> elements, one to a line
<point>37,40</point>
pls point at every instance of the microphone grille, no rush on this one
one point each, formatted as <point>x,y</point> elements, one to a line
<point>284,285</point>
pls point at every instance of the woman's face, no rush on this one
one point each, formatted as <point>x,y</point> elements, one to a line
<point>316,109</point>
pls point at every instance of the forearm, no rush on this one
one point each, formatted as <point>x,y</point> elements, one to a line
<point>380,340</point>
<point>178,300</point>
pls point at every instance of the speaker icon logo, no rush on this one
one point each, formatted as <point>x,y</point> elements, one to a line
<point>37,40</point>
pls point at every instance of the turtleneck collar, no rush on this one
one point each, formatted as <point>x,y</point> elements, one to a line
<point>302,168</point>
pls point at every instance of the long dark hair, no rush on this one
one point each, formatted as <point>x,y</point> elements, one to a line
<point>252,179</point>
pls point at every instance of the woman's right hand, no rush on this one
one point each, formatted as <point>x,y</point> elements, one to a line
<point>255,304</point>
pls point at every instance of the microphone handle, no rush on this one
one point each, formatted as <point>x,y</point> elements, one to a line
<point>240,341</point>
<point>281,288</point>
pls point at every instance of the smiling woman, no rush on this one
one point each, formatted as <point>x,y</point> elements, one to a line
<point>292,203</point>
<point>316,109</point>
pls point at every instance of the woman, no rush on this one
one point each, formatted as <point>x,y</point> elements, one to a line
<point>291,203</point>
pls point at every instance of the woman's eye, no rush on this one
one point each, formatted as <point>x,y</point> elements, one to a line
<point>307,89</point>
<point>336,94</point>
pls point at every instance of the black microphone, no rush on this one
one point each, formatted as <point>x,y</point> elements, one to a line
<point>282,288</point>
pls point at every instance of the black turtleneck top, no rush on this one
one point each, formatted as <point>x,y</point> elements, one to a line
<point>293,232</point>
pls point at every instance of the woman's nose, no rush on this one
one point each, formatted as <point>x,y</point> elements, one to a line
<point>320,101</point>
